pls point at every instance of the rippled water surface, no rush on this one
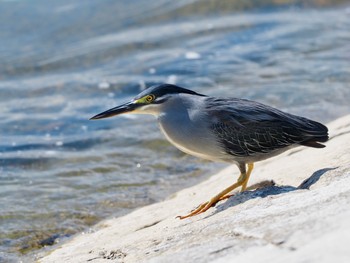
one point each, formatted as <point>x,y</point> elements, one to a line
<point>65,61</point>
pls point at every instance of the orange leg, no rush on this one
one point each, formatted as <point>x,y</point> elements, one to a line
<point>242,181</point>
<point>250,169</point>
<point>244,185</point>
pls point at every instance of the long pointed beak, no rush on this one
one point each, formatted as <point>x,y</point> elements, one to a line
<point>124,108</point>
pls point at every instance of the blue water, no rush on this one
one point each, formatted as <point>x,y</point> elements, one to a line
<point>65,61</point>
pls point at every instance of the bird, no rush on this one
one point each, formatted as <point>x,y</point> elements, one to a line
<point>233,130</point>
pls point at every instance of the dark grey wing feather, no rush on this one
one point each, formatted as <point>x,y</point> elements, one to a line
<point>247,128</point>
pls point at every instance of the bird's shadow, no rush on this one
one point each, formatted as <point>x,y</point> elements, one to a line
<point>268,188</point>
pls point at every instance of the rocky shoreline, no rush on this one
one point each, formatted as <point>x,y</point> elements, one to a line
<point>303,217</point>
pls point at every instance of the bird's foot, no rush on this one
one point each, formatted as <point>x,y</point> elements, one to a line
<point>242,181</point>
<point>205,206</point>
<point>198,210</point>
<point>201,208</point>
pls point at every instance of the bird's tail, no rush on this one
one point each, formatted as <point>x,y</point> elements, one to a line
<point>317,133</point>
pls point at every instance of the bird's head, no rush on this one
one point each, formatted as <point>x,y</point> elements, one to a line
<point>149,101</point>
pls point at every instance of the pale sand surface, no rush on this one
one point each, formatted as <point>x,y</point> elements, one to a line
<point>281,223</point>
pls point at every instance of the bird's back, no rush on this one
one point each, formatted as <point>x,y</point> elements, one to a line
<point>248,129</point>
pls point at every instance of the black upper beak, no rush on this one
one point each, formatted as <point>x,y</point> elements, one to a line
<point>124,108</point>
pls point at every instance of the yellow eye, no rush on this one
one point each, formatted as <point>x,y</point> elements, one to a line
<point>149,98</point>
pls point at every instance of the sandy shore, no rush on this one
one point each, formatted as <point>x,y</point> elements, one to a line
<point>305,217</point>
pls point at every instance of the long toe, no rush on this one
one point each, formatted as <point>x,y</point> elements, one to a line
<point>198,210</point>
<point>204,207</point>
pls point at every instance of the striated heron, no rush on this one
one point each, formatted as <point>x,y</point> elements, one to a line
<point>232,130</point>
